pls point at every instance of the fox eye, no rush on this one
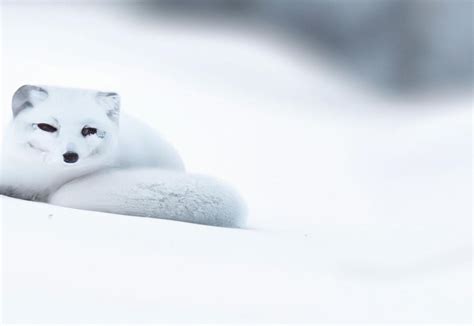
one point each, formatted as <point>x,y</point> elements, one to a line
<point>46,127</point>
<point>86,131</point>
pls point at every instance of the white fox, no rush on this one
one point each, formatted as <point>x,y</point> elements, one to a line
<point>72,147</point>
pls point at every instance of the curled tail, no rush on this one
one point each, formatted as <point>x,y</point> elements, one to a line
<point>155,193</point>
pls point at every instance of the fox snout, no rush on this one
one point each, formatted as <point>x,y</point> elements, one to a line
<point>70,157</point>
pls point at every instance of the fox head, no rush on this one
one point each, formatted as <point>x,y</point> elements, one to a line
<point>62,126</point>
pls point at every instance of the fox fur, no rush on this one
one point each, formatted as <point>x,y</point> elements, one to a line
<point>73,148</point>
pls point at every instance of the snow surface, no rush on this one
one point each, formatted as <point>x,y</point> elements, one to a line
<point>359,206</point>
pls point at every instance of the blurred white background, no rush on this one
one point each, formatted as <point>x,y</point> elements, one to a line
<point>359,193</point>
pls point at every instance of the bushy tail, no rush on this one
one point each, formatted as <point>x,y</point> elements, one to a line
<point>155,193</point>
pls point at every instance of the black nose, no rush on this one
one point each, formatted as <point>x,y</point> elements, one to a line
<point>70,157</point>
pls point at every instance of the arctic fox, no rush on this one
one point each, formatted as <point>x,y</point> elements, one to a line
<point>72,147</point>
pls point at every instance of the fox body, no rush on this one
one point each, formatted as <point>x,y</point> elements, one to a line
<point>72,147</point>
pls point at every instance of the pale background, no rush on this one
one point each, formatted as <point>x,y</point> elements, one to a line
<point>359,202</point>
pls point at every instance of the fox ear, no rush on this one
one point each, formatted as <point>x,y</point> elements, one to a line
<point>26,97</point>
<point>111,102</point>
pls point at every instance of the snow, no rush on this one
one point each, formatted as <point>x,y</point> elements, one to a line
<point>359,206</point>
